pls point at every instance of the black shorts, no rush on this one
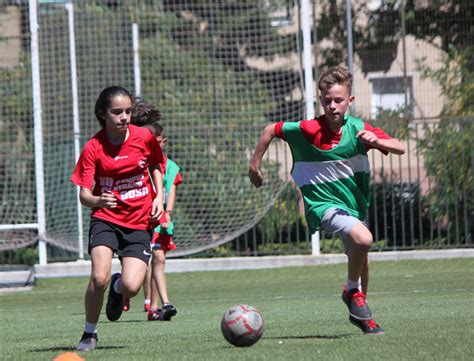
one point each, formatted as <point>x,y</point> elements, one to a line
<point>126,242</point>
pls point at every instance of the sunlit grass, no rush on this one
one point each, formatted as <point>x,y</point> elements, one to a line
<point>425,307</point>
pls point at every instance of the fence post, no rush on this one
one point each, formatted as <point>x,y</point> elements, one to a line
<point>350,47</point>
<point>315,244</point>
<point>136,60</point>
<point>307,59</point>
<point>75,119</point>
<point>308,82</point>
<point>38,132</point>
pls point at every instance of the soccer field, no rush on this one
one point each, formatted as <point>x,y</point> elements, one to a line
<point>425,307</point>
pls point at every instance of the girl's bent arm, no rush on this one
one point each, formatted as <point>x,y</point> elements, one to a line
<point>105,200</point>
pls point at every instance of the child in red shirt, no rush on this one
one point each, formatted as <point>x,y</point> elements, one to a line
<point>120,178</point>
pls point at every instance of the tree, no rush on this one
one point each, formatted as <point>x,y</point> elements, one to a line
<point>448,20</point>
<point>447,147</point>
<point>376,32</point>
<point>443,23</point>
<point>194,67</point>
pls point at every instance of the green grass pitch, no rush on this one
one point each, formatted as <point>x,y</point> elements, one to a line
<point>425,307</point>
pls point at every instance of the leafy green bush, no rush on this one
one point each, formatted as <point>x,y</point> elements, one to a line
<point>21,256</point>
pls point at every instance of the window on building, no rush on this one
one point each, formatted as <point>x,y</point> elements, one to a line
<point>388,93</point>
<point>280,12</point>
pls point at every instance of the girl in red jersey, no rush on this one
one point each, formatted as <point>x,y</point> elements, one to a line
<point>118,173</point>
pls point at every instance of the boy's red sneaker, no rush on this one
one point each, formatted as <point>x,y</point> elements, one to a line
<point>355,301</point>
<point>146,307</point>
<point>126,304</point>
<point>154,315</point>
<point>369,327</point>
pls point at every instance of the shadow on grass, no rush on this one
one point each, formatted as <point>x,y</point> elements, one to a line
<point>72,349</point>
<point>104,318</point>
<point>309,337</point>
<point>123,321</point>
<point>118,321</point>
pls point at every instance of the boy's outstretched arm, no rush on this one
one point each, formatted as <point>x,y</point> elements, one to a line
<point>254,169</point>
<point>390,145</point>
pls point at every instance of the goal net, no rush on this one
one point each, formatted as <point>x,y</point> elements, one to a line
<point>219,71</point>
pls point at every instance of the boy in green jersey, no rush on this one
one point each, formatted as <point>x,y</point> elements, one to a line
<point>146,115</point>
<point>331,168</point>
<point>162,241</point>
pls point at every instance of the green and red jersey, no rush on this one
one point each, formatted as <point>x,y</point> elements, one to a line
<point>332,170</point>
<point>171,176</point>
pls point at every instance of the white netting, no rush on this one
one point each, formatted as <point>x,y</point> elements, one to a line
<point>218,71</point>
<point>16,133</point>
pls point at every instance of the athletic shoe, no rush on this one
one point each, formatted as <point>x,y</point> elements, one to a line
<point>88,342</point>
<point>355,301</point>
<point>168,311</point>
<point>126,304</point>
<point>114,306</point>
<point>154,315</point>
<point>369,327</point>
<point>146,307</point>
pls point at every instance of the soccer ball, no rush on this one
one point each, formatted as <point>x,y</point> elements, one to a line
<point>242,325</point>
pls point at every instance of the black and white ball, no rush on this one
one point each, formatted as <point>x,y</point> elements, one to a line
<point>242,325</point>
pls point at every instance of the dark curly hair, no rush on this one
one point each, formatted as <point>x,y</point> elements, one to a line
<point>156,128</point>
<point>144,113</point>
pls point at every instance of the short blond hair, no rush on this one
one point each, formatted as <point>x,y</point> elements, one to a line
<point>335,75</point>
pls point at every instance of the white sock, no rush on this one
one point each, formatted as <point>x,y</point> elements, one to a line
<point>90,327</point>
<point>147,301</point>
<point>117,286</point>
<point>351,284</point>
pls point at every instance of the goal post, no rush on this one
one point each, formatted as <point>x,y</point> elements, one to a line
<point>38,132</point>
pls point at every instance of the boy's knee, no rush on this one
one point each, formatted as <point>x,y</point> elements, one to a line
<point>362,237</point>
<point>366,241</point>
<point>159,257</point>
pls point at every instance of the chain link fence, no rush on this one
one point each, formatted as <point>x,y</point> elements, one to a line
<point>219,71</point>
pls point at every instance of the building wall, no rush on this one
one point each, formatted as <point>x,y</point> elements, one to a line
<point>10,36</point>
<point>427,95</point>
